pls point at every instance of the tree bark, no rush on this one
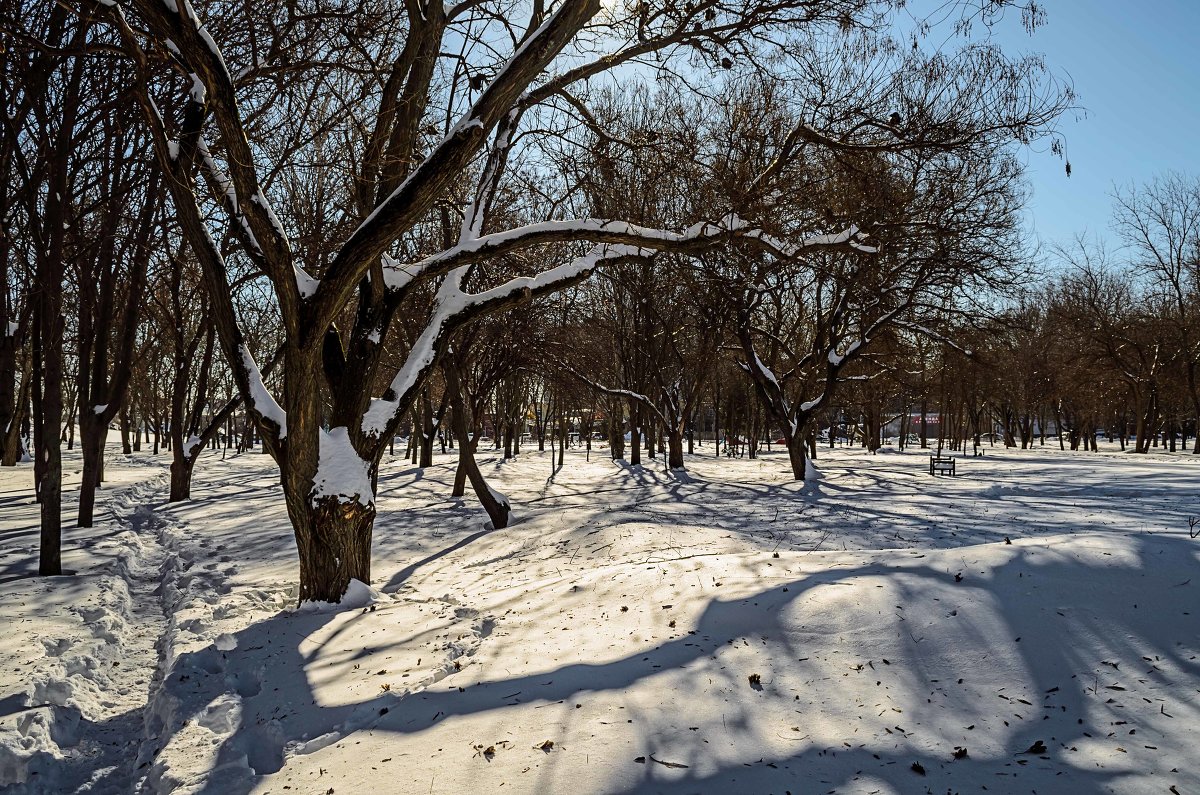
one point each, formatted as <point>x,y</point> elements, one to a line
<point>333,539</point>
<point>635,435</point>
<point>497,509</point>
<point>797,447</point>
<point>50,326</point>
<point>616,429</point>
<point>675,447</point>
<point>12,429</point>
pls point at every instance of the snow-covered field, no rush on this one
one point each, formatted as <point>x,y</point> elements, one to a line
<point>724,631</point>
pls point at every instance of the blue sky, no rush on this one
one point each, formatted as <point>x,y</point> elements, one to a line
<point>1136,69</point>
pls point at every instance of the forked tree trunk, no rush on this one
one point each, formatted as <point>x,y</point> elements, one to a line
<point>333,531</point>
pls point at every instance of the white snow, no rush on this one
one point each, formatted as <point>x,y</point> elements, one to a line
<point>395,275</point>
<point>260,398</point>
<point>306,284</point>
<point>470,244</point>
<point>358,595</point>
<point>302,278</point>
<point>499,496</point>
<point>198,92</point>
<point>450,301</point>
<point>622,620</point>
<point>765,371</point>
<point>836,358</point>
<point>341,472</point>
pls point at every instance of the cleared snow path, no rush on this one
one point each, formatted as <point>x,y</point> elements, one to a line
<point>88,652</point>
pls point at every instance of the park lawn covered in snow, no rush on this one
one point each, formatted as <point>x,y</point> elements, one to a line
<point>634,631</point>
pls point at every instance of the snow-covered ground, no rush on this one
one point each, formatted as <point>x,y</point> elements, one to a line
<point>635,631</point>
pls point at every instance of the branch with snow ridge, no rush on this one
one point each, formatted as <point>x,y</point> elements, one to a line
<point>696,238</point>
<point>453,307</point>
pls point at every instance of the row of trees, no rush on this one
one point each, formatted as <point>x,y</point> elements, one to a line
<point>326,220</point>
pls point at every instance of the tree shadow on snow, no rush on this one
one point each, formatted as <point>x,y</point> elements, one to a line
<point>1060,648</point>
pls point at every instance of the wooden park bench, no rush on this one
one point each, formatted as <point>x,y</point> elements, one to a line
<point>940,465</point>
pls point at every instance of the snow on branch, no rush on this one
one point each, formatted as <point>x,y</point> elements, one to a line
<point>471,248</point>
<point>224,185</point>
<point>851,237</point>
<point>765,371</point>
<point>763,376</point>
<point>617,392</point>
<point>453,306</point>
<point>836,359</point>
<point>933,335</point>
<point>341,471</point>
<point>261,399</point>
<point>395,275</point>
<point>432,176</point>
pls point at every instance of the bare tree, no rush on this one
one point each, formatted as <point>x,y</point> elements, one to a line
<point>434,124</point>
<point>1160,224</point>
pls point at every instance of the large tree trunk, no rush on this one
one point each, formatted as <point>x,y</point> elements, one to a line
<point>333,539</point>
<point>797,447</point>
<point>47,450</point>
<point>466,449</point>
<point>675,446</point>
<point>126,447</point>
<point>181,477</point>
<point>333,531</point>
<point>48,342</point>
